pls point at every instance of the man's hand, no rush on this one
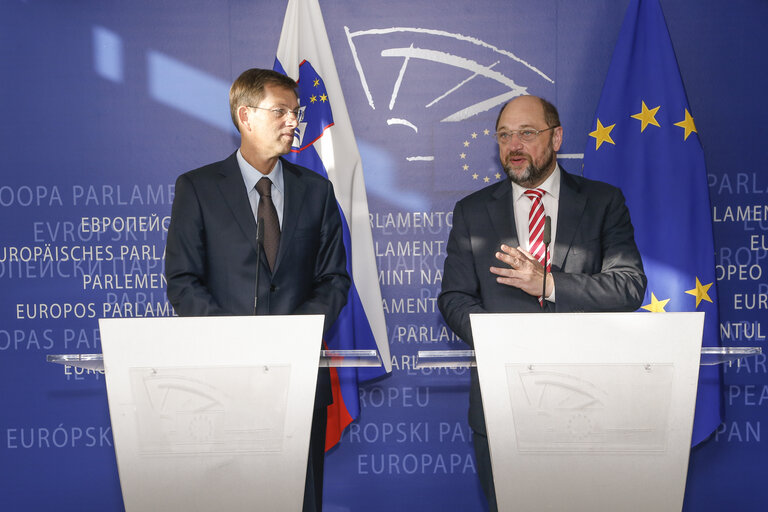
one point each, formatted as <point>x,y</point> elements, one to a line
<point>525,272</point>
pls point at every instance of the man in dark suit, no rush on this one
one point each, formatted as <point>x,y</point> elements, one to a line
<point>211,254</point>
<point>495,258</point>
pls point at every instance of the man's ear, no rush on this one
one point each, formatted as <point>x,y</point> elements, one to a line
<point>557,138</point>
<point>242,117</point>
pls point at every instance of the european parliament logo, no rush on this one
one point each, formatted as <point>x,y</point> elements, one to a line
<point>475,154</point>
<point>433,97</point>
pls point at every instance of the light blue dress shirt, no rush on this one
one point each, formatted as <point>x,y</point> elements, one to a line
<point>251,176</point>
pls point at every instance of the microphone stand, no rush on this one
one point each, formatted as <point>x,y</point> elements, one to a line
<point>547,238</point>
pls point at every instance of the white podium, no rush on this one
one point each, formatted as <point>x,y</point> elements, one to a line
<point>588,412</point>
<point>212,413</point>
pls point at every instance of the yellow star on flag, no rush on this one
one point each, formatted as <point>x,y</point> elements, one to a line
<point>602,134</point>
<point>466,143</point>
<point>647,116</point>
<point>463,156</point>
<point>687,124</point>
<point>474,176</point>
<point>497,175</point>
<point>486,132</point>
<point>316,82</point>
<point>323,98</point>
<point>474,135</point>
<point>312,99</point>
<point>701,292</point>
<point>486,179</point>
<point>465,167</point>
<point>656,305</point>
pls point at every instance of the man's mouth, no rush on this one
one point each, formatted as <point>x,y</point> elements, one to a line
<point>517,159</point>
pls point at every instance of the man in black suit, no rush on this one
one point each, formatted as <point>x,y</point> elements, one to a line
<point>490,268</point>
<point>211,254</point>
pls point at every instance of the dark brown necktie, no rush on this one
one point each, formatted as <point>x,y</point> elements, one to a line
<point>267,211</point>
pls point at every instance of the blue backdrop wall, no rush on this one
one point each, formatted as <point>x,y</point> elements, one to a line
<point>103,103</point>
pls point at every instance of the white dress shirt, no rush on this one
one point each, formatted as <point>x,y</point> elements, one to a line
<point>522,206</point>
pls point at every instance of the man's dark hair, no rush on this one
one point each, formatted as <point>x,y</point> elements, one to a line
<point>551,117</point>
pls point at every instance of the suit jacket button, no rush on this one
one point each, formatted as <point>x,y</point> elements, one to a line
<point>272,287</point>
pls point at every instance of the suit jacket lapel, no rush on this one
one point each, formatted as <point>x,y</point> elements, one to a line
<point>502,214</point>
<point>233,191</point>
<point>569,214</point>
<point>294,198</point>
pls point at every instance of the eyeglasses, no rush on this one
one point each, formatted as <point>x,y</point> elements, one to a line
<point>526,135</point>
<point>280,113</point>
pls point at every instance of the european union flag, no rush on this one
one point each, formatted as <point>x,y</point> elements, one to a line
<point>645,142</point>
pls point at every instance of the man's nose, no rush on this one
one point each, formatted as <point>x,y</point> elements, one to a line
<point>515,144</point>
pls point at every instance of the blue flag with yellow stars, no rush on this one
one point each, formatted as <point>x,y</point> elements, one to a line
<point>644,141</point>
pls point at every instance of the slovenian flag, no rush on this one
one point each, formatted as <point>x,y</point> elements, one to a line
<point>325,143</point>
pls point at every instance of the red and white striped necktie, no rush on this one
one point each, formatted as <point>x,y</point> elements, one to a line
<point>536,229</point>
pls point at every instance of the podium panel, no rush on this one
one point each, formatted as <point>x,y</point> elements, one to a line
<point>212,413</point>
<point>589,411</point>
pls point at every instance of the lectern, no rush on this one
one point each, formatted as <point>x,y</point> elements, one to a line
<point>213,413</point>
<point>589,411</point>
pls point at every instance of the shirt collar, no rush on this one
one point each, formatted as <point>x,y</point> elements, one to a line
<point>251,175</point>
<point>551,185</point>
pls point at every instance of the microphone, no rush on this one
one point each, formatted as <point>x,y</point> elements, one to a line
<point>547,238</point>
<point>259,243</point>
